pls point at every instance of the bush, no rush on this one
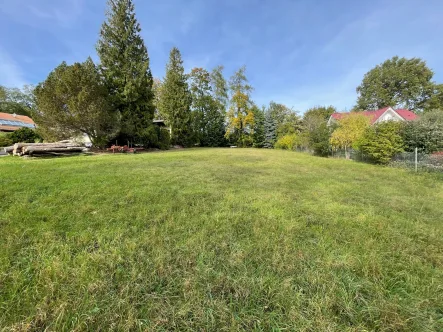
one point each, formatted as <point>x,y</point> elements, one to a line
<point>426,133</point>
<point>350,130</point>
<point>382,141</point>
<point>5,141</point>
<point>156,137</point>
<point>149,137</point>
<point>164,139</point>
<point>293,141</point>
<point>287,142</point>
<point>319,140</point>
<point>24,135</point>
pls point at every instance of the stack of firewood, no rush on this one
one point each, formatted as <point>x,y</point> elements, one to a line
<point>45,149</point>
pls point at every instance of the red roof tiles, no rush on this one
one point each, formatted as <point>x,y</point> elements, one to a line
<point>375,115</point>
<point>12,117</point>
<point>407,115</point>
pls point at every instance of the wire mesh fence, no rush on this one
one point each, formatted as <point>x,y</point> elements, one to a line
<point>418,161</point>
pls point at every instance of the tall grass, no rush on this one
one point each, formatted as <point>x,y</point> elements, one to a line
<point>219,239</point>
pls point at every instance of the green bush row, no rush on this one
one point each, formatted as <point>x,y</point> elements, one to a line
<point>23,135</point>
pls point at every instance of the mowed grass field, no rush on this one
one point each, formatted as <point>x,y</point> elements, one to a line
<point>218,240</point>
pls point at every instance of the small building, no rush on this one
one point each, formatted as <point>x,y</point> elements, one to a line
<point>161,124</point>
<point>13,122</point>
<point>381,115</point>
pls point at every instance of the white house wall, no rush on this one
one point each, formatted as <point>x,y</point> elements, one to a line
<point>389,115</point>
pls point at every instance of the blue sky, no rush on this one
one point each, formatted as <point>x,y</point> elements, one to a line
<point>301,53</point>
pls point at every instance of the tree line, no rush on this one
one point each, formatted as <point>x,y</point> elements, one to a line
<point>397,82</point>
<point>382,141</point>
<point>117,99</point>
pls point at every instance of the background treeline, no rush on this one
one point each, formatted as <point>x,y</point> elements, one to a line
<point>380,142</point>
<point>398,82</point>
<point>117,100</point>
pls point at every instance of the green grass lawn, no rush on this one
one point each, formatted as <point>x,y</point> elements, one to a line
<point>219,239</point>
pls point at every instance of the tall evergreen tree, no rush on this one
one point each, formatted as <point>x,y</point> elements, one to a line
<point>258,135</point>
<point>175,101</point>
<point>270,130</point>
<point>215,128</point>
<point>125,69</point>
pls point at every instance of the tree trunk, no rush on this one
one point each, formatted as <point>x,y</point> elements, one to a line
<point>9,149</point>
<point>38,150</point>
<point>21,149</point>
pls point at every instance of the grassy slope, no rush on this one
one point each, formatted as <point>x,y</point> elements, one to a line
<point>218,239</point>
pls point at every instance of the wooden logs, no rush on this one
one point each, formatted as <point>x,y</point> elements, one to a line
<point>58,148</point>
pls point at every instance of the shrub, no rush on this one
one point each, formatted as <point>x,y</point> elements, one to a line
<point>382,141</point>
<point>24,135</point>
<point>164,139</point>
<point>156,137</point>
<point>5,141</point>
<point>293,141</point>
<point>149,137</point>
<point>287,142</point>
<point>319,140</point>
<point>349,131</point>
<point>426,133</point>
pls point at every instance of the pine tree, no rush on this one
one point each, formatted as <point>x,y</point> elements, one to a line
<point>125,69</point>
<point>259,127</point>
<point>215,128</point>
<point>270,130</point>
<point>73,101</point>
<point>175,101</point>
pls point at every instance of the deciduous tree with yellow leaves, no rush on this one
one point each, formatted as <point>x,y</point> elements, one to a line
<point>240,115</point>
<point>350,130</point>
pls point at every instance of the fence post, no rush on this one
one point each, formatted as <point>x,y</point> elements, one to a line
<point>416,159</point>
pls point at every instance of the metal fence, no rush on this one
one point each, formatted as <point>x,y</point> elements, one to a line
<point>353,155</point>
<point>419,161</point>
<point>416,160</point>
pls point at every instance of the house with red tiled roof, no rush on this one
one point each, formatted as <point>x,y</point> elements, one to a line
<point>13,122</point>
<point>381,115</point>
